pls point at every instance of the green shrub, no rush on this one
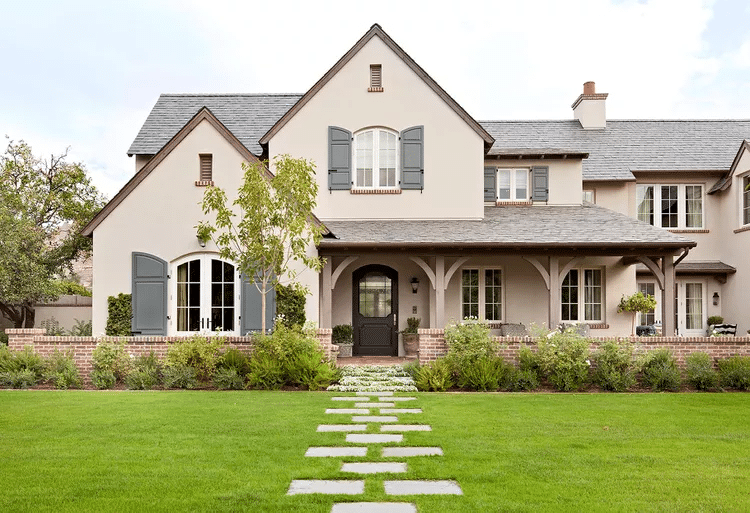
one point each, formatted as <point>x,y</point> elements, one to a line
<point>342,334</point>
<point>616,366</point>
<point>527,361</point>
<point>103,379</point>
<point>435,376</point>
<point>23,360</point>
<point>487,374</point>
<point>235,359</point>
<point>228,379</point>
<point>81,329</point>
<point>715,319</point>
<point>519,380</point>
<point>119,315</point>
<point>734,372</point>
<point>266,371</point>
<point>412,369</point>
<point>62,372</point>
<point>18,379</point>
<point>290,305</point>
<point>563,359</point>
<point>312,371</point>
<point>111,356</point>
<point>469,342</point>
<point>660,371</point>
<point>179,376</point>
<point>52,327</point>
<point>3,338</point>
<point>700,372</point>
<point>199,352</point>
<point>144,372</point>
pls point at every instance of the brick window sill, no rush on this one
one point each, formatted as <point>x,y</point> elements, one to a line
<point>513,203</point>
<point>375,89</point>
<point>743,229</point>
<point>688,230</point>
<point>203,183</point>
<point>375,191</point>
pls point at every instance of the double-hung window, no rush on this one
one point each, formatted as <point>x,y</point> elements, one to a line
<point>482,294</point>
<point>512,184</point>
<point>375,158</point>
<point>582,296</point>
<point>745,199</point>
<point>675,206</point>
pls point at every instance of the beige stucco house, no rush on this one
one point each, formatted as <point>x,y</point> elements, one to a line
<point>430,213</point>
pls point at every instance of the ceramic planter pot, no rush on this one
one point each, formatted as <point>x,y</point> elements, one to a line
<point>345,350</point>
<point>411,344</point>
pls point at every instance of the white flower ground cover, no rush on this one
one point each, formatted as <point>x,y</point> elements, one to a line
<point>373,378</point>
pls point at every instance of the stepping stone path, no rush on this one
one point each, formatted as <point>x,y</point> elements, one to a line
<point>373,387</point>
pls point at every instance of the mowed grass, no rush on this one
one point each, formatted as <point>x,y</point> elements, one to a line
<point>238,451</point>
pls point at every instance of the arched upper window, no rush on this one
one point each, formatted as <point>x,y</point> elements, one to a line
<point>375,158</point>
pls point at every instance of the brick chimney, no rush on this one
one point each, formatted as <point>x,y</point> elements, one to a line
<point>589,109</point>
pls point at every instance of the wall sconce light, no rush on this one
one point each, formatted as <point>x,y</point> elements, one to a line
<point>414,285</point>
<point>716,299</point>
<point>202,242</point>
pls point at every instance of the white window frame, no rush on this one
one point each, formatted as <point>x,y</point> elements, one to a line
<point>682,306</point>
<point>589,195</point>
<point>744,200</point>
<point>644,284</point>
<point>375,162</point>
<point>581,302</point>
<point>482,295</point>
<point>681,204</point>
<point>205,294</point>
<point>513,173</point>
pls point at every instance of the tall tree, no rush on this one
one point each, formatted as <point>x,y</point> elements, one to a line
<point>273,226</point>
<point>44,203</point>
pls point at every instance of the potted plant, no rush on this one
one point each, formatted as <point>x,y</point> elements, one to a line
<point>411,337</point>
<point>636,303</point>
<point>342,336</point>
<point>713,320</point>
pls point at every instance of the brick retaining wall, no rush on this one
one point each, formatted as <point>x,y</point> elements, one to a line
<point>82,348</point>
<point>432,345</point>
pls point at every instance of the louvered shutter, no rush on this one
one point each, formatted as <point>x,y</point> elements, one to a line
<point>339,158</point>
<point>540,183</point>
<point>206,173</point>
<point>252,306</point>
<point>490,184</point>
<point>149,289</point>
<point>412,158</point>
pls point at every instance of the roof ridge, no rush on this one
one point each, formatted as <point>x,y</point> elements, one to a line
<point>676,120</point>
<point>203,95</point>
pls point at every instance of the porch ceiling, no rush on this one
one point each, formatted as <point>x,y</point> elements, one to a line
<point>536,229</point>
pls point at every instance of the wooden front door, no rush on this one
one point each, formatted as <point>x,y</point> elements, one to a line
<point>375,311</point>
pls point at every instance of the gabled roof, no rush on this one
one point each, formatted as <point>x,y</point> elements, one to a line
<point>204,114</point>
<point>627,146</point>
<point>726,180</point>
<point>247,116</point>
<point>377,31</point>
<point>567,229</point>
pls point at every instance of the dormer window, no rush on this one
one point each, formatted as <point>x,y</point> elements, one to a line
<point>376,78</point>
<point>512,184</point>
<point>375,158</point>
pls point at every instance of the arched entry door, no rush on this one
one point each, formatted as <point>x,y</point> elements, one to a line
<point>375,311</point>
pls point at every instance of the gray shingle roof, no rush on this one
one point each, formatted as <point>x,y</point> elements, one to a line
<point>511,226</point>
<point>696,267</point>
<point>247,116</point>
<point>626,146</point>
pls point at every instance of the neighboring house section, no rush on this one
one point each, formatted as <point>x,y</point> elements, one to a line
<point>432,214</point>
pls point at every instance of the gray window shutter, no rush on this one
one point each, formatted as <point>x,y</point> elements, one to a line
<point>149,291</point>
<point>540,183</point>
<point>490,184</point>
<point>339,158</point>
<point>251,308</point>
<point>412,158</point>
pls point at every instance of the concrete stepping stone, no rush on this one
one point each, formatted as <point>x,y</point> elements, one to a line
<point>326,486</point>
<point>374,439</point>
<point>332,452</point>
<point>405,427</point>
<point>400,410</point>
<point>397,398</point>
<point>380,394</point>
<point>374,468</point>
<point>350,398</point>
<point>390,452</point>
<point>374,405</point>
<point>374,507</point>
<point>325,428</point>
<point>375,418</point>
<point>422,488</point>
<point>349,411</point>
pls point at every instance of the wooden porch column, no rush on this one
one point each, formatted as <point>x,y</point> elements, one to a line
<point>439,292</point>
<point>326,296</point>
<point>554,292</point>
<point>667,298</point>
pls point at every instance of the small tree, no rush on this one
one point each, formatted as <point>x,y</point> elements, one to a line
<point>638,302</point>
<point>273,226</point>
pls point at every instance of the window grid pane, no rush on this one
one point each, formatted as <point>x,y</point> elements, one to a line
<point>693,206</point>
<point>521,185</point>
<point>503,184</point>
<point>647,318</point>
<point>375,291</point>
<point>470,293</point>
<point>569,297</point>
<point>746,200</point>
<point>493,293</point>
<point>693,306</point>
<point>592,292</point>
<point>645,201</point>
<point>669,217</point>
<point>188,296</point>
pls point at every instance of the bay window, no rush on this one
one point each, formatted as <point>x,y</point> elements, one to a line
<point>675,206</point>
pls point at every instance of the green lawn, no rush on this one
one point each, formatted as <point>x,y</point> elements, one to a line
<point>238,451</point>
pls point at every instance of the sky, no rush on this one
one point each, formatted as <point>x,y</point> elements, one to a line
<point>84,75</point>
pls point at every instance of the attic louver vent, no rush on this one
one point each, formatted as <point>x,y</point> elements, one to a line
<point>376,78</point>
<point>206,170</point>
